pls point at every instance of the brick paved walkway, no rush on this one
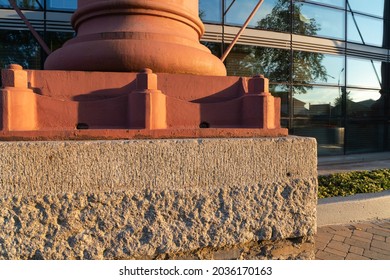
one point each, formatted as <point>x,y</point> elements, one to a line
<point>360,241</point>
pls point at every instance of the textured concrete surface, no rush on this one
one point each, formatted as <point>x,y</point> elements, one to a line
<point>90,166</point>
<point>157,198</point>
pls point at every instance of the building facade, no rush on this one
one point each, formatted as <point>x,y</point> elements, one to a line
<point>328,60</point>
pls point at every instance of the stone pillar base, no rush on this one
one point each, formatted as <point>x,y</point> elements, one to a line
<point>159,199</point>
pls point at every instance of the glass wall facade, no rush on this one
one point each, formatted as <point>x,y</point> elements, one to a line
<point>327,60</point>
<point>50,18</point>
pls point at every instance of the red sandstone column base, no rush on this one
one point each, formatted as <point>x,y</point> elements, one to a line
<point>74,105</point>
<point>18,102</point>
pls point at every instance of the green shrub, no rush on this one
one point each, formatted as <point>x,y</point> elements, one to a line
<point>344,184</point>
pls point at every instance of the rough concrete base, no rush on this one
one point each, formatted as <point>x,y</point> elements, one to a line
<point>158,199</point>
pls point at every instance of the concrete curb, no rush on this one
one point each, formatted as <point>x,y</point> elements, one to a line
<point>355,158</point>
<point>360,207</point>
<point>349,163</point>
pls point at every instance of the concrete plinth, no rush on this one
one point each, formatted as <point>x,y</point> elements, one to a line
<point>159,199</point>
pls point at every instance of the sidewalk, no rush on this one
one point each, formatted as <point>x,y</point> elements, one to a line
<point>359,241</point>
<point>360,162</point>
<point>365,240</point>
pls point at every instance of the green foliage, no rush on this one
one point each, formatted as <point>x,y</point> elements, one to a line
<point>344,184</point>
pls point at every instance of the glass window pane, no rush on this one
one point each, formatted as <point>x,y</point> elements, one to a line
<point>328,133</point>
<point>319,21</point>
<point>215,48</point>
<point>364,137</point>
<point>272,15</point>
<point>210,11</point>
<point>24,4</point>
<point>364,103</point>
<point>4,4</point>
<point>62,4</point>
<point>373,7</point>
<point>273,63</point>
<point>388,137</point>
<point>365,30</point>
<point>282,91</point>
<point>317,102</point>
<point>386,32</point>
<point>317,114</point>
<point>28,4</point>
<point>317,68</point>
<point>56,39</point>
<point>19,47</point>
<point>363,73</point>
<point>336,3</point>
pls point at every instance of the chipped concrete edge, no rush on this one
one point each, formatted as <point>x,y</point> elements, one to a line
<point>360,207</point>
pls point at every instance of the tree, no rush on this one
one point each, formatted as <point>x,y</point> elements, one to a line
<point>276,63</point>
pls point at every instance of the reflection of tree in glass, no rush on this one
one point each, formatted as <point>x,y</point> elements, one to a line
<point>19,47</point>
<point>339,100</point>
<point>202,14</point>
<point>26,4</point>
<point>23,4</point>
<point>275,63</point>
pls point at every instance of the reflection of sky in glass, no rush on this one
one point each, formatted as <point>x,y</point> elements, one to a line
<point>373,7</point>
<point>360,72</point>
<point>21,4</point>
<point>334,65</point>
<point>337,3</point>
<point>331,21</point>
<point>241,9</point>
<point>63,4</point>
<point>319,95</point>
<point>370,28</point>
<point>211,10</point>
<point>328,95</point>
<point>358,95</point>
<point>56,4</point>
<point>334,69</point>
<point>4,3</point>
